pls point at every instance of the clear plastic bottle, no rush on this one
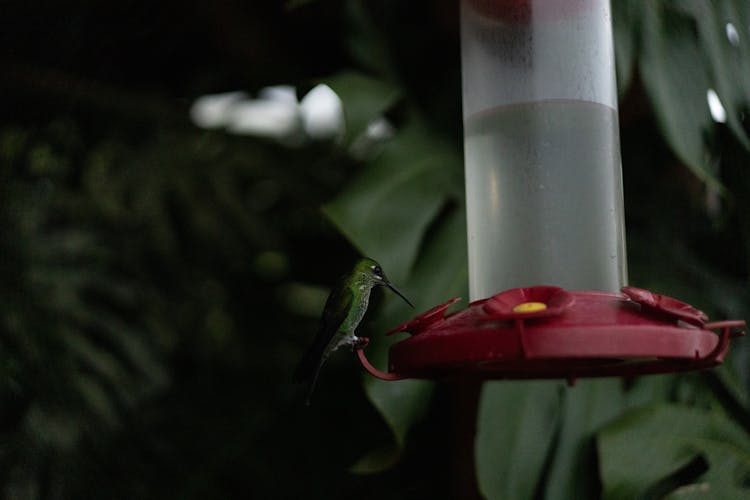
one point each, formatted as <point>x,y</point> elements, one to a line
<point>541,142</point>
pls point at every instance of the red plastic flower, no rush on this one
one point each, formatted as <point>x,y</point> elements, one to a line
<point>666,306</point>
<point>419,323</point>
<point>532,302</point>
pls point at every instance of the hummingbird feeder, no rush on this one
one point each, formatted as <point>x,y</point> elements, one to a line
<point>544,205</point>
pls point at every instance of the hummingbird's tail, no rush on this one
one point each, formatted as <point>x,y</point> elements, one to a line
<point>308,370</point>
<point>312,383</point>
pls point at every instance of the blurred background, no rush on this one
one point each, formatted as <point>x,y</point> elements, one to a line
<point>166,248</point>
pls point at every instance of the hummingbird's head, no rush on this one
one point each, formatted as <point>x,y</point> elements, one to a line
<point>374,275</point>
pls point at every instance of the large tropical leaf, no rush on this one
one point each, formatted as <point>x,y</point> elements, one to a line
<point>405,210</point>
<point>516,424</point>
<point>663,449</point>
<point>671,66</point>
<point>727,55</point>
<point>364,100</point>
<point>585,408</point>
<point>388,208</point>
<point>625,29</point>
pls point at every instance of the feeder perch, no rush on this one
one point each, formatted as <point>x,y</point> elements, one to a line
<point>545,205</point>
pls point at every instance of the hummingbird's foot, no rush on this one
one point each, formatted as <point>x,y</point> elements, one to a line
<point>360,343</point>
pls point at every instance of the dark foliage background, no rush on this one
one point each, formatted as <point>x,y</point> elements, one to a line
<point>158,281</point>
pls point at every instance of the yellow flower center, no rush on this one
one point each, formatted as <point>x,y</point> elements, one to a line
<point>530,307</point>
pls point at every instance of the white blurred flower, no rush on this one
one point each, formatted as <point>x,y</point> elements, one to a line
<point>718,113</point>
<point>213,111</point>
<point>380,129</point>
<point>732,35</point>
<point>322,113</point>
<point>370,142</point>
<point>266,118</point>
<point>275,114</point>
<point>282,93</point>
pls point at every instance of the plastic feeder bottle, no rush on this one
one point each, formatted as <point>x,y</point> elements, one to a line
<point>543,175</point>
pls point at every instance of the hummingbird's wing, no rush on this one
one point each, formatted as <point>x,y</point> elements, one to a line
<point>335,311</point>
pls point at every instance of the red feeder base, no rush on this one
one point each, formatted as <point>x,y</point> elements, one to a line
<point>549,332</point>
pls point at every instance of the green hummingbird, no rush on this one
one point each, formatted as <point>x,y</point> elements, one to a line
<point>344,309</point>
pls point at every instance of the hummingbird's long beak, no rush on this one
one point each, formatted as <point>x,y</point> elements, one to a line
<point>396,290</point>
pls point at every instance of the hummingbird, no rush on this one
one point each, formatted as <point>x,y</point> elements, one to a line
<point>342,313</point>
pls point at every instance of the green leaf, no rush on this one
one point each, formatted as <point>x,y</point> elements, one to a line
<point>642,449</point>
<point>364,99</point>
<point>440,273</point>
<point>586,407</point>
<point>732,384</point>
<point>367,44</point>
<point>516,424</point>
<point>377,460</point>
<point>388,208</point>
<point>625,28</point>
<point>675,76</point>
<point>645,391</point>
<point>401,403</point>
<point>391,213</point>
<point>729,61</point>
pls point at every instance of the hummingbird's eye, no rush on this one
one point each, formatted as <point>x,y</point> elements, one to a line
<point>377,271</point>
